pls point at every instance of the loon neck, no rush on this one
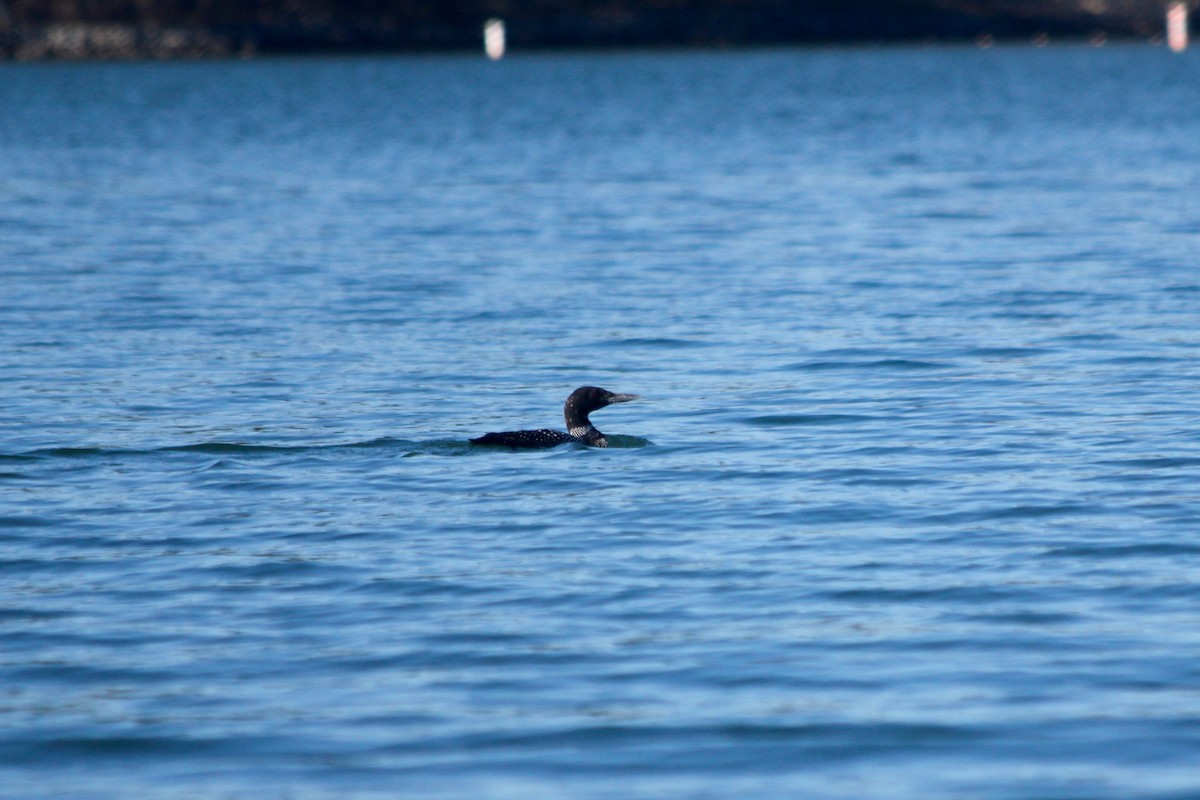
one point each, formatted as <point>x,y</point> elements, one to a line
<point>588,434</point>
<point>577,420</point>
<point>579,426</point>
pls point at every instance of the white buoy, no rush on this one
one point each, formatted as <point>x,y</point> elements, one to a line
<point>1177,27</point>
<point>493,39</point>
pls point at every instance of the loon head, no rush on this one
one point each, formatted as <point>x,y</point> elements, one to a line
<point>584,401</point>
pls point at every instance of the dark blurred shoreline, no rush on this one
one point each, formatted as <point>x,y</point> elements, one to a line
<point>32,30</point>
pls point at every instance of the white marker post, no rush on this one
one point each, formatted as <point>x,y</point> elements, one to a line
<point>1177,27</point>
<point>493,39</point>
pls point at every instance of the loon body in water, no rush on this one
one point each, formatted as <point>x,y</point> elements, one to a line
<point>583,401</point>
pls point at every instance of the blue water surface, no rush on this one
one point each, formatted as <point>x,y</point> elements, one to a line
<point>910,508</point>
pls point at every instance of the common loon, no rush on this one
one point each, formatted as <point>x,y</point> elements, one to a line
<point>583,401</point>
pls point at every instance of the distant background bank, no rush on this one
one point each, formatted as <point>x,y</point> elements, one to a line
<point>75,29</point>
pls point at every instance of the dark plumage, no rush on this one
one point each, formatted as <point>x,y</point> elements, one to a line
<point>582,402</point>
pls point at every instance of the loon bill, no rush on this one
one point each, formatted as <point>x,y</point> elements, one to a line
<point>583,401</point>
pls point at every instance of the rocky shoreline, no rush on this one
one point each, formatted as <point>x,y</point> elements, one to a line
<point>76,41</point>
<point>33,30</point>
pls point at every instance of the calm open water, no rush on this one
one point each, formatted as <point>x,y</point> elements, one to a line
<point>911,508</point>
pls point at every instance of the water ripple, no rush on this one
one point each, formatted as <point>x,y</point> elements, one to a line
<point>912,514</point>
